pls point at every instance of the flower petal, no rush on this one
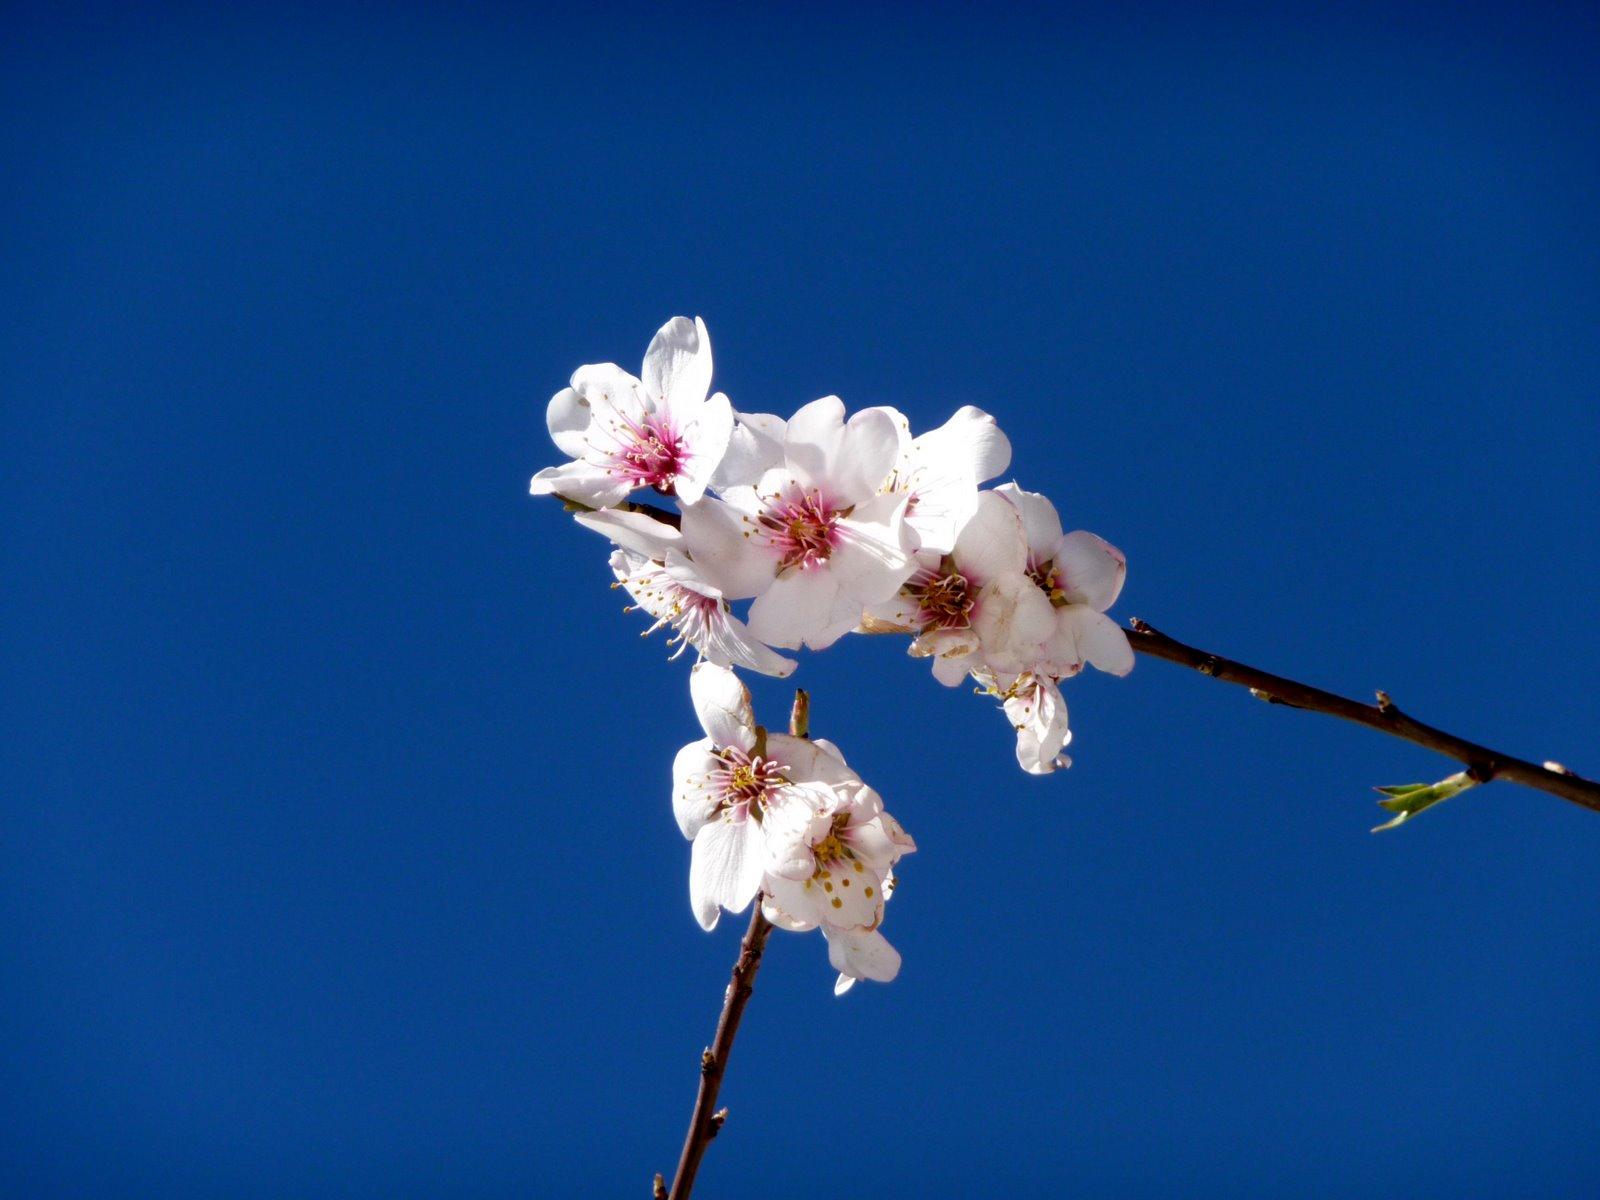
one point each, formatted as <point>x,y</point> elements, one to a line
<point>803,608</point>
<point>1040,521</point>
<point>716,536</point>
<point>722,704</point>
<point>725,868</point>
<point>1092,569</point>
<point>677,366</point>
<point>862,954</point>
<point>1012,618</point>
<point>992,542</point>
<point>567,417</point>
<point>845,461</point>
<point>755,446</point>
<point>1101,641</point>
<point>706,439</point>
<point>588,485</point>
<point>636,531</point>
<point>693,804</point>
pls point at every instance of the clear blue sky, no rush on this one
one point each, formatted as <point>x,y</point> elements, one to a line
<point>337,853</point>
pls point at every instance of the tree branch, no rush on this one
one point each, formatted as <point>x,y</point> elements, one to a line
<point>1481,762</point>
<point>706,1119</point>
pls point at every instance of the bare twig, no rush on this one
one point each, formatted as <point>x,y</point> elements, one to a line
<point>706,1120</point>
<point>1482,763</point>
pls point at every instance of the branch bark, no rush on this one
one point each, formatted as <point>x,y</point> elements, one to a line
<point>707,1119</point>
<point>1483,763</point>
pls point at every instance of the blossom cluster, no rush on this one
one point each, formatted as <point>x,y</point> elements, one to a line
<point>827,523</point>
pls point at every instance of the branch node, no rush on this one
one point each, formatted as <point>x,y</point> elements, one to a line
<point>1558,768</point>
<point>1210,665</point>
<point>659,1190</point>
<point>1385,704</point>
<point>715,1122</point>
<point>1481,772</point>
<point>1138,626</point>
<point>707,1061</point>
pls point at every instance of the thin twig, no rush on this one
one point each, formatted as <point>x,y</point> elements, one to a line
<point>1483,763</point>
<point>706,1119</point>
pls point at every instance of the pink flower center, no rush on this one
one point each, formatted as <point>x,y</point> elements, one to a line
<point>801,529</point>
<point>746,783</point>
<point>651,453</point>
<point>944,601</point>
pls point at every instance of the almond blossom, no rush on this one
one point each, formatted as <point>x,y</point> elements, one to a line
<point>812,541</point>
<point>841,879</point>
<point>660,431</point>
<point>650,563</point>
<point>1082,575</point>
<point>1033,704</point>
<point>973,608</point>
<point>745,797</point>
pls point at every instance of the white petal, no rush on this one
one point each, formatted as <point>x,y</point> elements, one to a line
<point>609,391</point>
<point>635,531</point>
<point>971,437</point>
<point>1039,715</point>
<point>1101,641</point>
<point>729,643</point>
<point>1092,569</point>
<point>1012,618</point>
<point>715,534</point>
<point>843,983</point>
<point>692,804</point>
<point>755,446</point>
<point>722,704</point>
<point>677,366</point>
<point>588,485</point>
<point>874,554</point>
<point>811,764</point>
<point>862,954</point>
<point>567,416</point>
<point>801,607</point>
<point>992,542</point>
<point>1039,520</point>
<point>845,461</point>
<point>706,440</point>
<point>725,868</point>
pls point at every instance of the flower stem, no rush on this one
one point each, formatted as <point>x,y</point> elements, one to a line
<point>1482,763</point>
<point>707,1119</point>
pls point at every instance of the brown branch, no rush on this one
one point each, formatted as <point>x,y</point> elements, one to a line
<point>707,1120</point>
<point>1482,763</point>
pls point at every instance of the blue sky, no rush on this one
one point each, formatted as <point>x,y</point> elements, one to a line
<point>338,858</point>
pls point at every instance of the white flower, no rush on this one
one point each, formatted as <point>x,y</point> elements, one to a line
<point>1082,575</point>
<point>664,582</point>
<point>838,877</point>
<point>850,848</point>
<point>744,797</point>
<point>812,542</point>
<point>974,608</point>
<point>939,472</point>
<point>623,433</point>
<point>1033,704</point>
